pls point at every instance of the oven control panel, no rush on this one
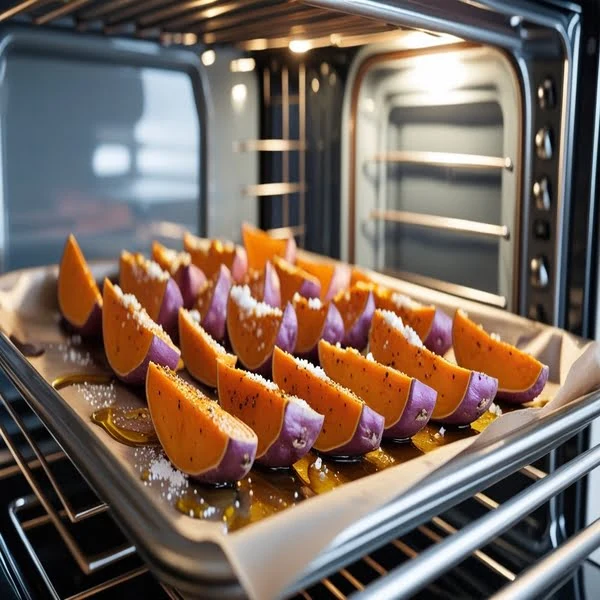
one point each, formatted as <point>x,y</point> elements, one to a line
<point>543,211</point>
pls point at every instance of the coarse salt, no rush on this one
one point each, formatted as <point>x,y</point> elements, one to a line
<point>394,321</point>
<point>317,464</point>
<point>159,470</point>
<point>98,395</point>
<point>314,303</point>
<point>242,296</point>
<point>308,366</point>
<point>260,379</point>
<point>370,357</point>
<point>495,337</point>
<point>402,301</point>
<point>195,316</point>
<point>495,409</point>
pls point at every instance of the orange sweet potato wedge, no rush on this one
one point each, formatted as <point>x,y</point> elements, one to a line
<point>197,435</point>
<point>316,320</point>
<point>351,427</point>
<point>404,402</point>
<point>261,247</point>
<point>333,276</point>
<point>462,395</point>
<point>79,299</point>
<point>154,288</point>
<point>131,338</point>
<point>286,426</point>
<point>432,324</point>
<point>199,350</point>
<point>209,255</point>
<point>356,305</point>
<point>521,377</point>
<point>255,328</point>
<point>294,280</point>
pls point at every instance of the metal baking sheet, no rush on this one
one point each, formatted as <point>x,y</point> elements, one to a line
<point>196,556</point>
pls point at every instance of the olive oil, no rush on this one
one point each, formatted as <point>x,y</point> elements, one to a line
<point>130,426</point>
<point>80,378</point>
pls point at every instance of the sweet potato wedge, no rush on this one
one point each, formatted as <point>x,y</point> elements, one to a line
<point>209,255</point>
<point>131,338</point>
<point>521,377</point>
<point>154,288</point>
<point>264,285</point>
<point>255,328</point>
<point>261,247</point>
<point>197,435</point>
<point>200,352</point>
<point>356,305</point>
<point>462,395</point>
<point>432,324</point>
<point>188,276</point>
<point>211,303</point>
<point>294,280</point>
<point>286,426</point>
<point>79,299</point>
<point>350,428</point>
<point>333,276</point>
<point>316,321</point>
<point>404,402</point>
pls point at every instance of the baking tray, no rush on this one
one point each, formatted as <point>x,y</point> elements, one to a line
<point>195,556</point>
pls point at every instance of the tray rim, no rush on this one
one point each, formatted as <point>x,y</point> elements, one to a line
<point>179,562</point>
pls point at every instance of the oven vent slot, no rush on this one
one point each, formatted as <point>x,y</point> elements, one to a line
<point>208,22</point>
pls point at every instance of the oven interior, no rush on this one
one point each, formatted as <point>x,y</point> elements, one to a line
<point>128,120</point>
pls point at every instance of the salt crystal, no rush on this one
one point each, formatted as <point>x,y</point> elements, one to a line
<point>402,301</point>
<point>318,463</point>
<point>370,357</point>
<point>242,296</point>
<point>308,366</point>
<point>195,316</point>
<point>495,337</point>
<point>314,303</point>
<point>394,321</point>
<point>98,395</point>
<point>260,379</point>
<point>442,431</point>
<point>495,409</point>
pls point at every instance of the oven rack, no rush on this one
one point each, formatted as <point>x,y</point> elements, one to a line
<point>208,22</point>
<point>338,575</point>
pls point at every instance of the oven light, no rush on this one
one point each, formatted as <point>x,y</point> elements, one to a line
<point>239,92</point>
<point>315,85</point>
<point>242,65</point>
<point>299,46</point>
<point>437,73</point>
<point>208,57</point>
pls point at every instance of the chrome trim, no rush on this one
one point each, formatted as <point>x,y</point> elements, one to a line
<point>446,159</point>
<point>271,189</point>
<point>407,579</point>
<point>271,145</point>
<point>302,142</point>
<point>454,289</point>
<point>442,223</point>
<point>541,577</point>
<point>285,128</point>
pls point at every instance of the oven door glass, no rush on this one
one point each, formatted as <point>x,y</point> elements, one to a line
<point>436,169</point>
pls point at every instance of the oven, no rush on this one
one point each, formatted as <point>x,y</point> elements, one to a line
<point>449,144</point>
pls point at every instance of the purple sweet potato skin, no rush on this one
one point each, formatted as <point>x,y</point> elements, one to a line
<point>527,395</point>
<point>235,464</point>
<point>160,353</point>
<point>190,279</point>
<point>357,336</point>
<point>239,267</point>
<point>367,436</point>
<point>310,289</point>
<point>93,324</point>
<point>333,332</point>
<point>480,393</point>
<point>439,338</point>
<point>169,309</point>
<point>417,412</point>
<point>215,318</point>
<point>300,428</point>
<point>272,291</point>
<point>340,280</point>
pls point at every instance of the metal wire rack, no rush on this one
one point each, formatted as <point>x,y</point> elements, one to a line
<point>438,558</point>
<point>210,22</point>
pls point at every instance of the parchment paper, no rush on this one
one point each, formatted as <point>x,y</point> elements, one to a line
<point>269,555</point>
